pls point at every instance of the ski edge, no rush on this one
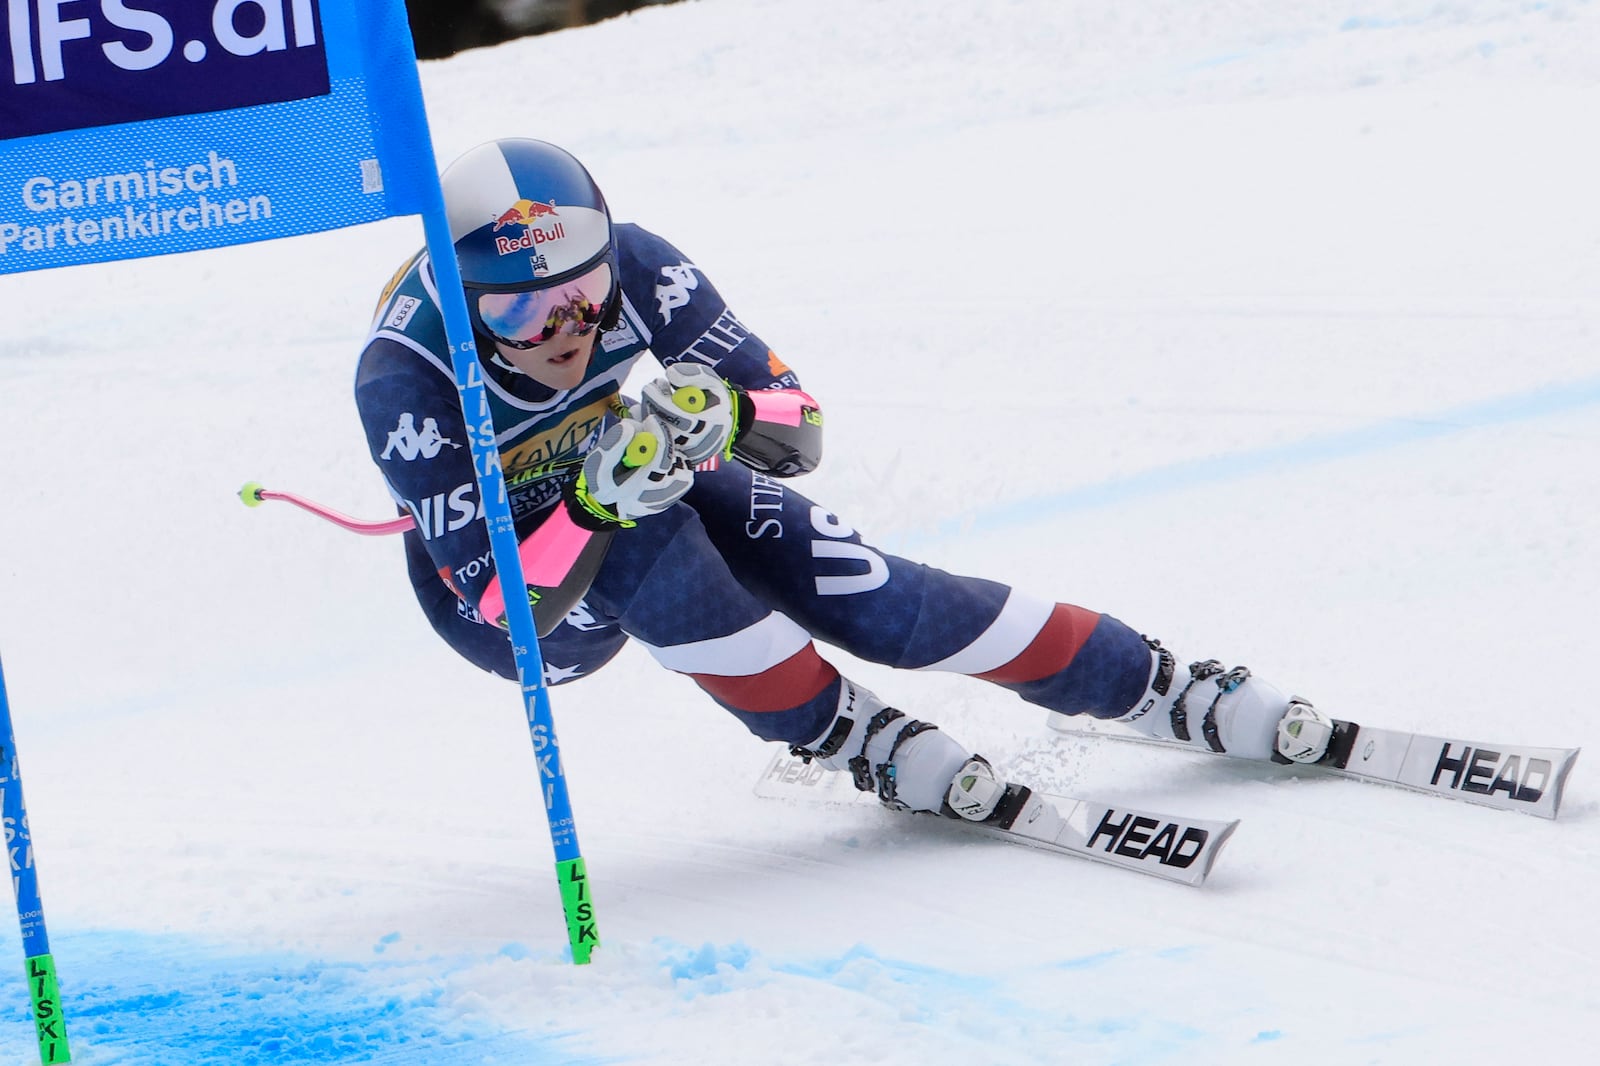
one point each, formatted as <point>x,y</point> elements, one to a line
<point>1130,843</point>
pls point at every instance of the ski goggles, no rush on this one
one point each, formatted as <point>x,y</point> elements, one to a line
<point>528,319</point>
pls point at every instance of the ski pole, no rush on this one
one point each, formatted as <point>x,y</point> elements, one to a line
<point>39,964</point>
<point>254,495</point>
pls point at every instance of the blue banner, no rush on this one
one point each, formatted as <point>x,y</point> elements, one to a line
<point>133,128</point>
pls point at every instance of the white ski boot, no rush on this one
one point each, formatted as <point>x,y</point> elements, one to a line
<point>1229,712</point>
<point>908,763</point>
<point>912,765</point>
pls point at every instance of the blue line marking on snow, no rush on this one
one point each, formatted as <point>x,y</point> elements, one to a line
<point>1557,399</point>
<point>1180,951</point>
<point>1088,962</point>
<point>134,999</point>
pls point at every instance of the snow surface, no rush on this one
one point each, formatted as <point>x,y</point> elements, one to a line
<point>1269,327</point>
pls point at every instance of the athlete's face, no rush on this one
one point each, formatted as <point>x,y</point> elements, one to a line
<point>558,363</point>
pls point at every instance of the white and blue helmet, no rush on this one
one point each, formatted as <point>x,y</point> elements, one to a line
<point>527,218</point>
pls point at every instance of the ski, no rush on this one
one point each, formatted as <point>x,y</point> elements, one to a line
<point>1510,777</point>
<point>1160,845</point>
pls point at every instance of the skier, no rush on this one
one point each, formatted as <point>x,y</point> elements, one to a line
<point>670,519</point>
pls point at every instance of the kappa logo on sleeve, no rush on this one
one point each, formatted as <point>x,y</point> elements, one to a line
<point>410,443</point>
<point>75,64</point>
<point>673,291</point>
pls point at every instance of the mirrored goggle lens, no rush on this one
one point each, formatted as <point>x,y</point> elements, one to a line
<point>524,319</point>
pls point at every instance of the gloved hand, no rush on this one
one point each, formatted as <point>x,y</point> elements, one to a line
<point>632,472</point>
<point>697,406</point>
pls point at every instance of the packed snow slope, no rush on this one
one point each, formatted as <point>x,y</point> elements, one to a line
<point>1269,327</point>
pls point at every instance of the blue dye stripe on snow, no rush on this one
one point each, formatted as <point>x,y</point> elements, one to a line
<point>132,999</point>
<point>966,1006</point>
<point>1557,399</point>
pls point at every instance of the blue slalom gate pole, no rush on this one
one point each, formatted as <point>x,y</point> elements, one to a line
<point>39,965</point>
<point>571,874</point>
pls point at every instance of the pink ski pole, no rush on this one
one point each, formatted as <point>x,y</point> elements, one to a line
<point>254,495</point>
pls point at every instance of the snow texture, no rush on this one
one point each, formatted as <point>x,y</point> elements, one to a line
<point>1267,326</point>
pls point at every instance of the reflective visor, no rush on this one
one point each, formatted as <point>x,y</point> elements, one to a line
<point>526,319</point>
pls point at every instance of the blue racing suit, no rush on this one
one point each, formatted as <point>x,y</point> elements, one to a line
<point>731,584</point>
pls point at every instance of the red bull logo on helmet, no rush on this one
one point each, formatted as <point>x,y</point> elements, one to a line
<point>523,213</point>
<point>531,216</point>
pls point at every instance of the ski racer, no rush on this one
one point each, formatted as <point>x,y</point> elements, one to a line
<point>671,519</point>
